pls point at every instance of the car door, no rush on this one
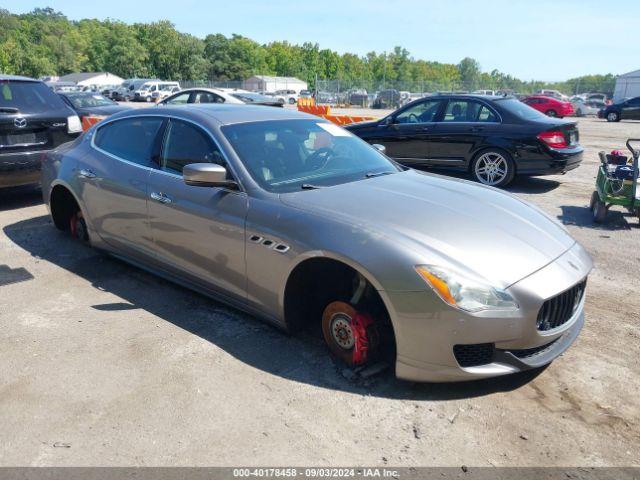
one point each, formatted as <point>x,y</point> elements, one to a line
<point>113,182</point>
<point>406,133</point>
<point>631,109</point>
<point>463,126</point>
<point>198,232</point>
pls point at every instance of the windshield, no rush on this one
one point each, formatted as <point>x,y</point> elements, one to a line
<point>289,155</point>
<point>27,97</point>
<point>521,110</point>
<point>252,97</point>
<point>89,100</point>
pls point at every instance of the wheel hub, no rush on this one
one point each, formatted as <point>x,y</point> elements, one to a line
<point>491,168</point>
<point>341,330</point>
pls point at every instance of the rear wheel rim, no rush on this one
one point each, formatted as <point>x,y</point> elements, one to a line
<point>491,168</point>
<point>612,116</point>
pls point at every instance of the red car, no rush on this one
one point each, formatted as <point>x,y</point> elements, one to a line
<point>550,106</point>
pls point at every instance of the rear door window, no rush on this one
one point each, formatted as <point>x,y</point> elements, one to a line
<point>131,139</point>
<point>468,111</point>
<point>28,97</point>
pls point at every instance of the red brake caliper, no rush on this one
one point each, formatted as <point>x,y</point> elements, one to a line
<point>73,224</point>
<point>359,324</point>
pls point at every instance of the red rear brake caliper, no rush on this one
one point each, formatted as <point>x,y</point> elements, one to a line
<point>359,324</point>
<point>73,225</point>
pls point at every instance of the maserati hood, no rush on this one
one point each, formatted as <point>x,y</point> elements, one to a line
<point>482,229</point>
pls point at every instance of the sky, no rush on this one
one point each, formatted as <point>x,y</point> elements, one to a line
<point>532,40</point>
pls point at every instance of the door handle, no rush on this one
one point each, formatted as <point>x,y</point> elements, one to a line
<point>86,173</point>
<point>476,129</point>
<point>160,197</point>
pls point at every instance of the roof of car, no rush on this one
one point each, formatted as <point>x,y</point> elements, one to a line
<point>226,114</point>
<point>468,95</point>
<point>543,96</point>
<point>4,77</point>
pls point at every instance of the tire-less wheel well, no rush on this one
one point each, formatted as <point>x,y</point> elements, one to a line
<point>63,206</point>
<point>316,282</point>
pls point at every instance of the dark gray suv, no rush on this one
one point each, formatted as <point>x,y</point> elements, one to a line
<point>33,120</point>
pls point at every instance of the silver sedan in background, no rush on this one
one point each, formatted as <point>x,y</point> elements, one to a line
<point>295,220</point>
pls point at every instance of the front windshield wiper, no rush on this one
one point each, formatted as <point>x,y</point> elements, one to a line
<point>308,186</point>
<point>9,110</point>
<point>377,174</point>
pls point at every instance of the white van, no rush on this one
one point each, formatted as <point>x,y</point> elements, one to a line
<point>165,89</point>
<point>125,91</point>
<point>144,93</point>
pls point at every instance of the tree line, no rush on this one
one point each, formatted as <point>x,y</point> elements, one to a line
<point>44,42</point>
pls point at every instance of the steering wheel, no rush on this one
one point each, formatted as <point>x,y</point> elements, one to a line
<point>319,158</point>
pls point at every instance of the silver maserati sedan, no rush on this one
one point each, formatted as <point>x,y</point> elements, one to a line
<point>297,221</point>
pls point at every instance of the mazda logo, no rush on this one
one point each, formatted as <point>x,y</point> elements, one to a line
<point>20,122</point>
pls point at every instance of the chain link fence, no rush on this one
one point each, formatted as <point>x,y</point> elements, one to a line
<point>392,94</point>
<point>368,93</point>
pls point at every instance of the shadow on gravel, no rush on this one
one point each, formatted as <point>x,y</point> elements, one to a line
<point>582,217</point>
<point>532,185</point>
<point>298,358</point>
<point>19,197</point>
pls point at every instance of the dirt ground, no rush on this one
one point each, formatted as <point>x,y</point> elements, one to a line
<point>104,364</point>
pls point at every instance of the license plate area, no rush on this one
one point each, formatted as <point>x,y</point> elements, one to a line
<point>26,139</point>
<point>573,138</point>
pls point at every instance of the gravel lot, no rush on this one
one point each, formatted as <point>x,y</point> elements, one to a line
<point>104,364</point>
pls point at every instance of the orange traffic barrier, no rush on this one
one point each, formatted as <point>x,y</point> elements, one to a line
<point>315,109</point>
<point>324,111</point>
<point>90,120</point>
<point>346,119</point>
<point>306,102</point>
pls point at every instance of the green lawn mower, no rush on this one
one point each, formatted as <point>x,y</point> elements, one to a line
<point>617,182</point>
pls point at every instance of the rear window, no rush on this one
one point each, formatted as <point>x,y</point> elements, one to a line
<point>520,109</point>
<point>131,139</point>
<point>28,97</point>
<point>87,100</point>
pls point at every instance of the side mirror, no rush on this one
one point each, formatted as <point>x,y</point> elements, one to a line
<point>207,175</point>
<point>381,148</point>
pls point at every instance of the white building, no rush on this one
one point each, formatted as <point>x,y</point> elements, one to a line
<point>627,85</point>
<point>265,83</point>
<point>89,79</point>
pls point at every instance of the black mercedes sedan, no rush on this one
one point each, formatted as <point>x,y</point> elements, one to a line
<point>494,138</point>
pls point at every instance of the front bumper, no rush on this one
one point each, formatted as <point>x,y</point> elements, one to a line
<point>18,169</point>
<point>427,330</point>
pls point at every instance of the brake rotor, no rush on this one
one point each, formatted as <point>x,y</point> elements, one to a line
<point>348,333</point>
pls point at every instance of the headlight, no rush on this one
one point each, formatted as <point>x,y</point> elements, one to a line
<point>73,124</point>
<point>463,292</point>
